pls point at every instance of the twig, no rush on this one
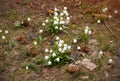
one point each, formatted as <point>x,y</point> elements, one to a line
<point>106,25</point>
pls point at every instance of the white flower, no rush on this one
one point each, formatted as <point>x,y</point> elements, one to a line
<point>64,11</point>
<point>55,17</point>
<point>55,22</point>
<point>61,18</point>
<point>3,37</point>
<point>115,11</point>
<point>78,48</point>
<point>101,53</point>
<point>105,10</point>
<point>110,16</point>
<point>65,8</point>
<point>6,31</point>
<point>61,41</point>
<point>60,44</point>
<point>74,41</point>
<point>59,49</point>
<point>65,45</point>
<point>98,21</point>
<point>61,14</point>
<point>69,47</point>
<point>27,67</point>
<point>46,50</point>
<point>63,51</point>
<point>55,13</point>
<point>68,18</point>
<point>57,59</point>
<point>61,28</point>
<point>28,19</point>
<point>54,54</point>
<point>46,57</point>
<point>46,20</point>
<point>57,38</point>
<point>51,50</point>
<point>49,63</point>
<point>90,32</point>
<point>110,61</point>
<point>43,24</point>
<point>0,31</point>
<point>35,43</point>
<point>62,22</point>
<point>55,9</point>
<point>86,31</point>
<point>40,31</point>
<point>56,27</point>
<point>65,48</point>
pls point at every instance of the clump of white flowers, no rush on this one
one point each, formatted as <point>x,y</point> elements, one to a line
<point>105,10</point>
<point>58,21</point>
<point>87,31</point>
<point>3,34</point>
<point>59,54</point>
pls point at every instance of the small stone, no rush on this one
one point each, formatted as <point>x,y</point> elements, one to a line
<point>72,68</point>
<point>88,64</point>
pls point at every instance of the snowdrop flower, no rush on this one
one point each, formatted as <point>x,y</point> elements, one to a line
<point>63,51</point>
<point>40,31</point>
<point>55,13</point>
<point>61,18</point>
<point>46,57</point>
<point>90,32</point>
<point>6,32</point>
<point>61,14</point>
<point>56,27</point>
<point>110,61</point>
<point>57,59</point>
<point>101,52</point>
<point>65,45</point>
<point>61,28</point>
<point>65,48</point>
<point>54,54</point>
<point>0,31</point>
<point>105,10</point>
<point>61,41</point>
<point>55,17</point>
<point>115,11</point>
<point>43,24</point>
<point>86,31</point>
<point>35,43</point>
<point>55,22</point>
<point>65,12</point>
<point>65,8</point>
<point>62,22</point>
<point>69,47</point>
<point>98,21</point>
<point>27,67</point>
<point>55,9</point>
<point>78,48</point>
<point>59,49</point>
<point>60,44</point>
<point>74,41</point>
<point>46,20</point>
<point>109,16</point>
<point>49,63</point>
<point>51,51</point>
<point>57,38</point>
<point>28,19</point>
<point>68,18</point>
<point>3,37</point>
<point>46,50</point>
